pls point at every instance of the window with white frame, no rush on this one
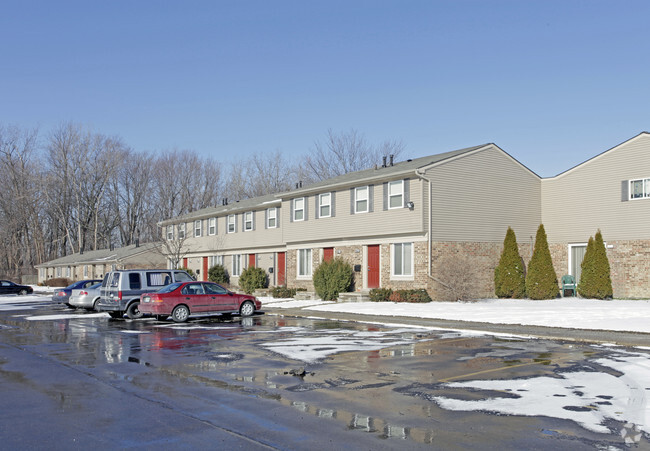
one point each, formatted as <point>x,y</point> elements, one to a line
<point>272,218</point>
<point>212,226</point>
<point>396,194</point>
<point>232,224</point>
<point>197,228</point>
<point>181,231</point>
<point>236,265</point>
<point>299,209</point>
<point>325,205</point>
<point>248,221</point>
<point>58,271</point>
<point>361,199</point>
<point>304,262</point>
<point>215,260</point>
<point>85,270</point>
<point>640,189</point>
<point>170,232</point>
<point>402,262</point>
<point>68,271</point>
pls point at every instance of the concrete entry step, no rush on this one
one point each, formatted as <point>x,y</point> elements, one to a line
<point>306,296</point>
<point>354,297</point>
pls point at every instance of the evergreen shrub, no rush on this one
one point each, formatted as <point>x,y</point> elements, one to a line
<point>284,292</point>
<point>219,274</point>
<point>595,279</point>
<point>331,278</point>
<point>414,296</point>
<point>253,278</point>
<point>380,294</point>
<point>57,282</point>
<point>541,280</point>
<point>509,275</point>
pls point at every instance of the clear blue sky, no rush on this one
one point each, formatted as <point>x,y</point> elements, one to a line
<point>553,83</point>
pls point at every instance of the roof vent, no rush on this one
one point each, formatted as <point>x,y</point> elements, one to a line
<point>383,164</point>
<point>391,159</point>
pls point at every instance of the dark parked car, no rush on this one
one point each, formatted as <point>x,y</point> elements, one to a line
<point>8,287</point>
<point>63,296</point>
<point>180,300</point>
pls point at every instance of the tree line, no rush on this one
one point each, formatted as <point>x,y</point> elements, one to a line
<point>74,189</point>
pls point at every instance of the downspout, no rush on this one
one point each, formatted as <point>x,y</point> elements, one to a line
<point>422,175</point>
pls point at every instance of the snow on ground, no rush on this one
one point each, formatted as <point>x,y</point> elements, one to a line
<point>572,313</point>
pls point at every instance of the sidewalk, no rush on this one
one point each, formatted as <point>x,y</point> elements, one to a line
<point>622,322</point>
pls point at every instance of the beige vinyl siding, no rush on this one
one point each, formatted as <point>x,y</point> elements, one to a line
<point>224,242</point>
<point>577,203</point>
<point>475,197</point>
<point>344,225</point>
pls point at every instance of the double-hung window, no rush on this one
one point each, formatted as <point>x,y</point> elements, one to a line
<point>325,205</point>
<point>212,226</point>
<point>236,265</point>
<point>396,194</point>
<point>248,221</point>
<point>640,189</point>
<point>272,218</point>
<point>215,260</point>
<point>170,233</point>
<point>231,224</point>
<point>197,228</point>
<point>299,209</point>
<point>402,261</point>
<point>181,231</point>
<point>361,199</point>
<point>304,262</point>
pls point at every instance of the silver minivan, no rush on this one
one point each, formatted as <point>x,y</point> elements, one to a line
<point>120,291</point>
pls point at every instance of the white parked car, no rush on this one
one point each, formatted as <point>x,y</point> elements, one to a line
<point>86,297</point>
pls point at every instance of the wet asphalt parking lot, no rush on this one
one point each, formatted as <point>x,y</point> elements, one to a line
<point>73,379</point>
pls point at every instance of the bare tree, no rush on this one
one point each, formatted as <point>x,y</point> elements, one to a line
<point>346,152</point>
<point>261,174</point>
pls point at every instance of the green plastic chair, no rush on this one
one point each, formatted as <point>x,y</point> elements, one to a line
<point>569,283</point>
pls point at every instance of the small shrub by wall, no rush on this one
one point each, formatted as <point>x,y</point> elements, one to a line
<point>332,277</point>
<point>219,274</point>
<point>253,278</point>
<point>509,275</point>
<point>541,280</point>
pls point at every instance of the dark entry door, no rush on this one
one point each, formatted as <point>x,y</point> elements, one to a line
<point>373,266</point>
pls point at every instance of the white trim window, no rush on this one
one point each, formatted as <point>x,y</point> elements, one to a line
<point>299,209</point>
<point>272,218</point>
<point>85,271</point>
<point>236,265</point>
<point>396,194</point>
<point>197,228</point>
<point>212,226</point>
<point>232,224</point>
<point>361,199</point>
<point>304,263</point>
<point>402,261</point>
<point>215,260</point>
<point>640,189</point>
<point>181,231</point>
<point>170,232</point>
<point>248,221</point>
<point>325,205</point>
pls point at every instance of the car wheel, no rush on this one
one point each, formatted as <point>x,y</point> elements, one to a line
<point>95,305</point>
<point>70,305</point>
<point>247,309</point>
<point>23,292</point>
<point>116,315</point>
<point>133,311</point>
<point>180,313</point>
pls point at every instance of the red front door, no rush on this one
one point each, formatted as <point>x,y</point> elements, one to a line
<point>328,254</point>
<point>205,268</point>
<point>373,266</point>
<point>251,260</point>
<point>282,280</point>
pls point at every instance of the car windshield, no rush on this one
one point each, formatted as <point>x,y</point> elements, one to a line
<point>169,288</point>
<point>97,285</point>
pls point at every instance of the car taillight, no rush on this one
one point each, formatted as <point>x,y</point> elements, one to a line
<point>156,299</point>
<point>83,293</point>
<point>61,293</point>
<point>119,295</point>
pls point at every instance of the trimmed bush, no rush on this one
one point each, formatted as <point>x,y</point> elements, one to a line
<point>509,275</point>
<point>410,296</point>
<point>380,294</point>
<point>284,292</point>
<point>595,280</point>
<point>57,282</point>
<point>541,280</point>
<point>253,278</point>
<point>333,277</point>
<point>219,274</point>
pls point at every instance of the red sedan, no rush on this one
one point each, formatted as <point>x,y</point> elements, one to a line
<point>182,299</point>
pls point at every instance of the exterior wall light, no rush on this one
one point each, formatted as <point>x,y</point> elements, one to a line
<point>410,205</point>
